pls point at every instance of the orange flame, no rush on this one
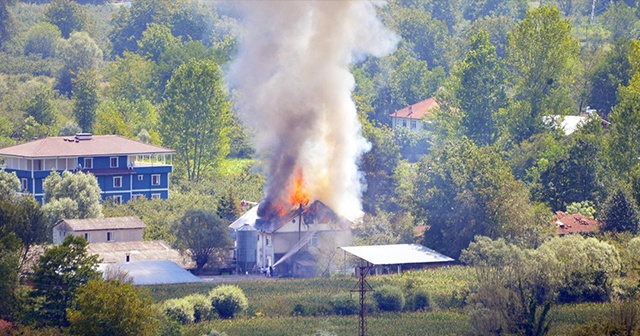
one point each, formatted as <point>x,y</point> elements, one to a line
<point>298,194</point>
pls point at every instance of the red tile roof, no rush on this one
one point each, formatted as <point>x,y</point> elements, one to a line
<point>69,147</point>
<point>417,110</point>
<point>575,223</point>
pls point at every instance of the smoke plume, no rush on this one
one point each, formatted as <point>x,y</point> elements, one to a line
<point>294,85</point>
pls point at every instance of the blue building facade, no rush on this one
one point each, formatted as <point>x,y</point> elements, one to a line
<point>125,168</point>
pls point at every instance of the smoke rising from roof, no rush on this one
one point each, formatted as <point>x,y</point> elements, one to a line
<point>294,85</point>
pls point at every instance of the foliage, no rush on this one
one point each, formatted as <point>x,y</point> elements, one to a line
<point>383,228</point>
<point>389,298</point>
<point>623,141</point>
<point>196,116</point>
<point>9,275</point>
<point>42,39</point>
<point>80,51</point>
<point>156,39</point>
<point>482,8</point>
<point>73,191</point>
<point>68,16</point>
<point>85,98</point>
<point>585,208</point>
<point>6,23</point>
<point>420,299</point>
<point>612,71</point>
<point>228,301</point>
<point>9,185</point>
<point>112,307</point>
<point>202,309</point>
<point>58,273</point>
<point>179,310</point>
<point>620,212</point>
<point>344,304</point>
<point>23,217</point>
<point>130,78</point>
<point>202,233</point>
<point>40,106</point>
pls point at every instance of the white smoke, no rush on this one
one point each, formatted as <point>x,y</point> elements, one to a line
<point>294,85</point>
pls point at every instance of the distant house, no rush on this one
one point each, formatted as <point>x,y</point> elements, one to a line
<point>412,116</point>
<point>100,230</point>
<point>300,243</point>
<point>575,223</point>
<point>125,168</point>
<point>568,124</point>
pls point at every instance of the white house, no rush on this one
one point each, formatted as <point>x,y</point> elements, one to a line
<point>413,116</point>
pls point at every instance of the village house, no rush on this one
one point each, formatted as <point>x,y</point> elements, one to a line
<point>100,230</point>
<point>575,224</point>
<point>413,116</point>
<point>125,168</point>
<point>302,243</point>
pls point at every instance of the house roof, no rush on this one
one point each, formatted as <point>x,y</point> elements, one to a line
<point>114,252</point>
<point>417,110</point>
<point>397,254</point>
<point>575,223</point>
<point>98,145</point>
<point>569,124</point>
<point>112,223</point>
<point>154,272</point>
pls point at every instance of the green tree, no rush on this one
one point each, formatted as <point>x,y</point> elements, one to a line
<point>9,276</point>
<point>9,185</point>
<point>41,105</point>
<point>620,212</point>
<point>6,22</point>
<point>112,307</point>
<point>613,70</point>
<point>24,218</point>
<point>477,9</point>
<point>80,51</point>
<point>42,39</point>
<point>410,80</point>
<point>58,274</point>
<point>85,98</point>
<point>202,233</point>
<point>67,15</point>
<point>130,77</point>
<point>73,191</point>
<point>623,139</point>
<point>196,117</point>
<point>498,28</point>
<point>229,207</point>
<point>175,56</point>
<point>620,19</point>
<point>542,53</point>
<point>479,90</point>
<point>228,301</point>
<point>155,41</point>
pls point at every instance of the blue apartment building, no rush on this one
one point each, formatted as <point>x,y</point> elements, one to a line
<point>125,168</point>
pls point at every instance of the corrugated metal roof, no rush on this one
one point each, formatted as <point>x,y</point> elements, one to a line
<point>114,252</point>
<point>397,254</point>
<point>111,223</point>
<point>155,272</point>
<point>102,145</point>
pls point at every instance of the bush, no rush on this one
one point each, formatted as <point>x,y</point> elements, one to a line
<point>202,309</point>
<point>389,298</point>
<point>420,300</point>
<point>178,310</point>
<point>344,304</point>
<point>228,300</point>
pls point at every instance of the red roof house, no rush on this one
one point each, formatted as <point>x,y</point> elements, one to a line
<point>575,223</point>
<point>412,116</point>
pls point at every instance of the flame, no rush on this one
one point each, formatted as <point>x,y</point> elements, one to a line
<point>298,194</point>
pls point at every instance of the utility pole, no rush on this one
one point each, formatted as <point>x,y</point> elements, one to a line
<point>363,287</point>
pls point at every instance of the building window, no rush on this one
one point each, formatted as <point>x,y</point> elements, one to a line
<point>314,240</point>
<point>87,237</point>
<point>88,163</point>
<point>113,162</point>
<point>268,242</point>
<point>117,181</point>
<point>155,179</point>
<point>37,165</point>
<point>155,196</point>
<point>404,123</point>
<point>111,236</point>
<point>414,124</point>
<point>117,199</point>
<point>25,184</point>
<point>136,196</point>
<point>140,177</point>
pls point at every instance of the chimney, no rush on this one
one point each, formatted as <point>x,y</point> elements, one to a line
<point>128,257</point>
<point>83,136</point>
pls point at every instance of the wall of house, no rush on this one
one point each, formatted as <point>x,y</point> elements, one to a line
<point>100,236</point>
<point>411,124</point>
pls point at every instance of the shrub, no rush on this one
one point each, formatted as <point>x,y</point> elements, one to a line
<point>179,310</point>
<point>202,310</point>
<point>389,298</point>
<point>344,304</point>
<point>228,300</point>
<point>420,300</point>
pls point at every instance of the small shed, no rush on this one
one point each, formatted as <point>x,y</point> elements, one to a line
<point>99,230</point>
<point>398,257</point>
<point>154,272</point>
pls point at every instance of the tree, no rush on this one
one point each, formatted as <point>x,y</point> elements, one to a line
<point>40,106</point>
<point>130,78</point>
<point>623,140</point>
<point>228,301</point>
<point>479,90</point>
<point>85,98</point>
<point>620,19</point>
<point>542,52</point>
<point>72,192</point>
<point>67,15</point>
<point>229,207</point>
<point>42,39</point>
<point>498,28</point>
<point>202,233</point>
<point>613,71</point>
<point>478,9</point>
<point>620,212</point>
<point>9,185</point>
<point>25,219</point>
<point>58,274</point>
<point>156,40</point>
<point>80,51</point>
<point>112,307</point>
<point>196,116</point>
<point>9,275</point>
<point>6,22</point>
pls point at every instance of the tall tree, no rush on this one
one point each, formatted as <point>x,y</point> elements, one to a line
<point>196,116</point>
<point>620,212</point>
<point>9,185</point>
<point>80,51</point>
<point>202,233</point>
<point>24,218</point>
<point>67,15</point>
<point>6,22</point>
<point>42,39</point>
<point>85,98</point>
<point>613,71</point>
<point>9,276</point>
<point>40,106</point>
<point>112,307</point>
<point>479,90</point>
<point>542,53</point>
<point>57,275</point>
<point>623,139</point>
<point>156,40</point>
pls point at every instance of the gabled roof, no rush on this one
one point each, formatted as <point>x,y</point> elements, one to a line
<point>417,110</point>
<point>575,223</point>
<point>397,254</point>
<point>112,223</point>
<point>98,145</point>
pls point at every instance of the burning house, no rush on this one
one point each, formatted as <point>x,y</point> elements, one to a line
<point>301,242</point>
